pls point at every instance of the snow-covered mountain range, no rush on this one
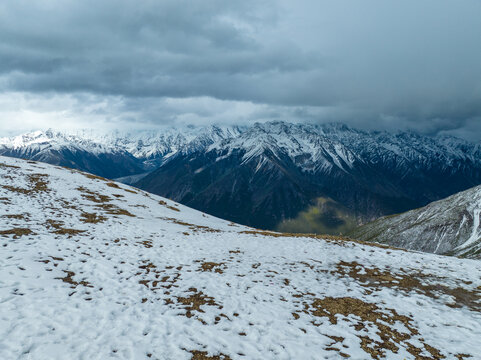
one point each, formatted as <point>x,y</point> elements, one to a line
<point>132,152</point>
<point>321,147</point>
<point>96,269</point>
<point>273,174</point>
<point>450,226</point>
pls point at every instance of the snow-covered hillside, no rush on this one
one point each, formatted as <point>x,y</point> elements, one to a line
<point>449,226</point>
<point>94,269</point>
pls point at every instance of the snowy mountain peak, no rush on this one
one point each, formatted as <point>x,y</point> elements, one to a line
<point>291,140</point>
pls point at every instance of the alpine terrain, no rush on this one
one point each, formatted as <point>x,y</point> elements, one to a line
<point>274,175</point>
<point>113,154</point>
<point>322,179</point>
<point>96,269</point>
<point>450,226</point>
<point>72,151</point>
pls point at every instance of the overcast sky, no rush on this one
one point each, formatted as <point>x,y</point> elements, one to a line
<point>407,64</point>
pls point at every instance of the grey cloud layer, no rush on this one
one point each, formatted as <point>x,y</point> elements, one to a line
<point>406,64</point>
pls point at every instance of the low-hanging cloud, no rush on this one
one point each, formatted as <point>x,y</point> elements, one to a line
<point>372,64</point>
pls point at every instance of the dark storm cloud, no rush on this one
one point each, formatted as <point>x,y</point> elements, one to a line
<point>146,48</point>
<point>373,64</point>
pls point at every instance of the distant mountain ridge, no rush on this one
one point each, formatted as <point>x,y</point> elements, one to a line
<point>449,226</point>
<point>131,152</point>
<point>274,171</point>
<point>275,174</point>
<point>71,151</point>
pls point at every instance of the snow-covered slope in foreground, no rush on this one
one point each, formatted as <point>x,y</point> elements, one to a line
<point>91,269</point>
<point>450,226</point>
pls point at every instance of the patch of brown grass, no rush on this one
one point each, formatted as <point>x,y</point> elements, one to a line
<point>112,209</point>
<point>340,240</point>
<point>93,177</point>
<point>14,216</point>
<point>113,185</point>
<point>194,302</point>
<point>384,320</point>
<point>16,232</point>
<point>192,227</point>
<point>16,189</point>
<point>462,356</point>
<point>209,266</point>
<point>148,267</point>
<point>92,218</point>
<point>6,166</point>
<point>374,279</point>
<point>146,243</point>
<point>103,202</point>
<point>93,196</point>
<point>203,355</point>
<point>164,203</point>
<point>60,230</point>
<point>154,282</point>
<point>69,280</point>
<point>296,235</point>
<point>38,182</point>
<point>140,206</point>
<point>336,340</point>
